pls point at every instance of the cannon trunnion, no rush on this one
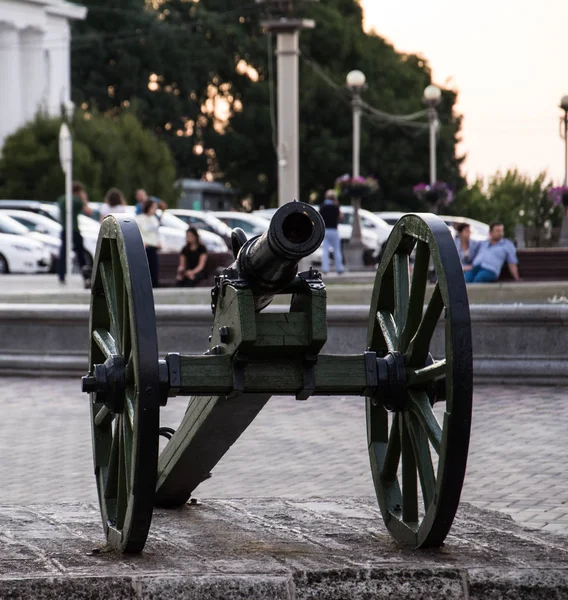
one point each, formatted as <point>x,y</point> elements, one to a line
<point>418,407</point>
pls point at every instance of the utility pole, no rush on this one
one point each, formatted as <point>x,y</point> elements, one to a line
<point>287,27</point>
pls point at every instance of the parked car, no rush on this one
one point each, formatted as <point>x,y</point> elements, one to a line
<point>479,230</point>
<point>390,217</point>
<point>173,231</point>
<point>50,243</point>
<point>202,220</point>
<point>265,213</point>
<point>39,224</point>
<point>47,209</point>
<point>251,224</point>
<point>22,254</point>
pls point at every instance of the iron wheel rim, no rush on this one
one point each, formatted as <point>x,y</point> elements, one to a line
<point>397,323</point>
<point>125,443</point>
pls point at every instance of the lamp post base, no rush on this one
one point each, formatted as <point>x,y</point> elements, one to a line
<point>353,256</point>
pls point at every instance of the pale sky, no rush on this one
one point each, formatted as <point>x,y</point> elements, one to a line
<point>508,61</point>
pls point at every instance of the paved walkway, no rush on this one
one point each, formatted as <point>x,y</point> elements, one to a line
<point>517,461</point>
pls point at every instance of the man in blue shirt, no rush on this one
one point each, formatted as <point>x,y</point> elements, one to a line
<point>492,255</point>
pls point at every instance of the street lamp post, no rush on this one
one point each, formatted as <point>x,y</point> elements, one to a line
<point>432,97</point>
<point>356,84</point>
<point>563,241</point>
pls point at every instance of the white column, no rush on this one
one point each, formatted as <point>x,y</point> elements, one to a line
<point>33,75</point>
<point>288,117</point>
<point>59,60</point>
<point>10,98</point>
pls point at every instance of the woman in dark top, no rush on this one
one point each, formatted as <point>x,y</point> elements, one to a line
<point>192,261</point>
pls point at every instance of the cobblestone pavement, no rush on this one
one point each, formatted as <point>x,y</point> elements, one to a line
<point>517,460</point>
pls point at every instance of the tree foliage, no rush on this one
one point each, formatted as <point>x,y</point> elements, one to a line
<point>202,74</point>
<point>512,198</point>
<point>107,152</point>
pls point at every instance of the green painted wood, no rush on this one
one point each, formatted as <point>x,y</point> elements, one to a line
<point>400,444</point>
<point>209,428</point>
<point>334,375</point>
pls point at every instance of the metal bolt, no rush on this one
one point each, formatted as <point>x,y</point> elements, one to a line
<point>210,338</point>
<point>397,507</point>
<point>224,335</point>
<point>149,391</point>
<point>89,384</point>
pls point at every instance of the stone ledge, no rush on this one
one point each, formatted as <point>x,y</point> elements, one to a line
<point>275,549</point>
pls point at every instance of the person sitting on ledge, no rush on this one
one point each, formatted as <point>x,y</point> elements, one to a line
<point>492,255</point>
<point>192,261</point>
<point>467,248</point>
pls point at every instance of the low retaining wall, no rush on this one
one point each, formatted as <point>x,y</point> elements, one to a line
<point>511,344</point>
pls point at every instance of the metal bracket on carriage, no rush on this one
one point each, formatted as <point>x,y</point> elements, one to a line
<point>170,377</point>
<point>229,275</point>
<point>309,366</point>
<point>313,278</point>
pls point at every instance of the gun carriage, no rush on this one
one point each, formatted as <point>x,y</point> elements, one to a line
<point>417,460</point>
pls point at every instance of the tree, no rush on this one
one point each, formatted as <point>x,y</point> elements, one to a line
<point>107,152</point>
<point>512,198</point>
<point>201,75</point>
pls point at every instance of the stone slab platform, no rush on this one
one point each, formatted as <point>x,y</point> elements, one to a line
<point>275,549</point>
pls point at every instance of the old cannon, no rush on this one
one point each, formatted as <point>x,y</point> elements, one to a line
<point>418,459</point>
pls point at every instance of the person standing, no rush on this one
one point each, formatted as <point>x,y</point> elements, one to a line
<point>467,248</point>
<point>192,261</point>
<point>79,205</point>
<point>114,203</point>
<point>331,215</point>
<point>492,255</point>
<point>149,225</point>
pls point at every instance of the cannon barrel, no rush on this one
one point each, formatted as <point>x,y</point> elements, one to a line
<point>269,263</point>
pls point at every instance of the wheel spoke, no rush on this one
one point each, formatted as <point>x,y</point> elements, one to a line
<point>111,486</point>
<point>388,329</point>
<point>401,289</point>
<point>105,342</point>
<point>417,293</point>
<point>409,479</point>
<point>419,405</point>
<point>392,455</point>
<point>433,372</point>
<point>423,459</point>
<point>104,417</point>
<point>418,349</point>
<point>109,286</point>
<point>129,408</point>
<point>122,493</point>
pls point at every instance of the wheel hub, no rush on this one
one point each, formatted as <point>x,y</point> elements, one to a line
<point>107,383</point>
<point>392,381</point>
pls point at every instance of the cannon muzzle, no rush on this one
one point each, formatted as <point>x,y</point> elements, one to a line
<point>269,263</point>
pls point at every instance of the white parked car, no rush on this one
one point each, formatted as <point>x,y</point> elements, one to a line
<point>22,254</point>
<point>202,220</point>
<point>41,225</point>
<point>251,224</point>
<point>173,235</point>
<point>390,216</point>
<point>12,226</point>
<point>479,230</point>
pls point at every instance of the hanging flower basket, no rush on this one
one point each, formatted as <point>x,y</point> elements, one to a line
<point>358,187</point>
<point>558,195</point>
<point>438,194</point>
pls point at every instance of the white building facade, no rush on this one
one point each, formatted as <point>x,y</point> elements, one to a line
<point>35,59</point>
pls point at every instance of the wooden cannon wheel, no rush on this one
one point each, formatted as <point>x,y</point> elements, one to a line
<point>403,432</point>
<point>123,383</point>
